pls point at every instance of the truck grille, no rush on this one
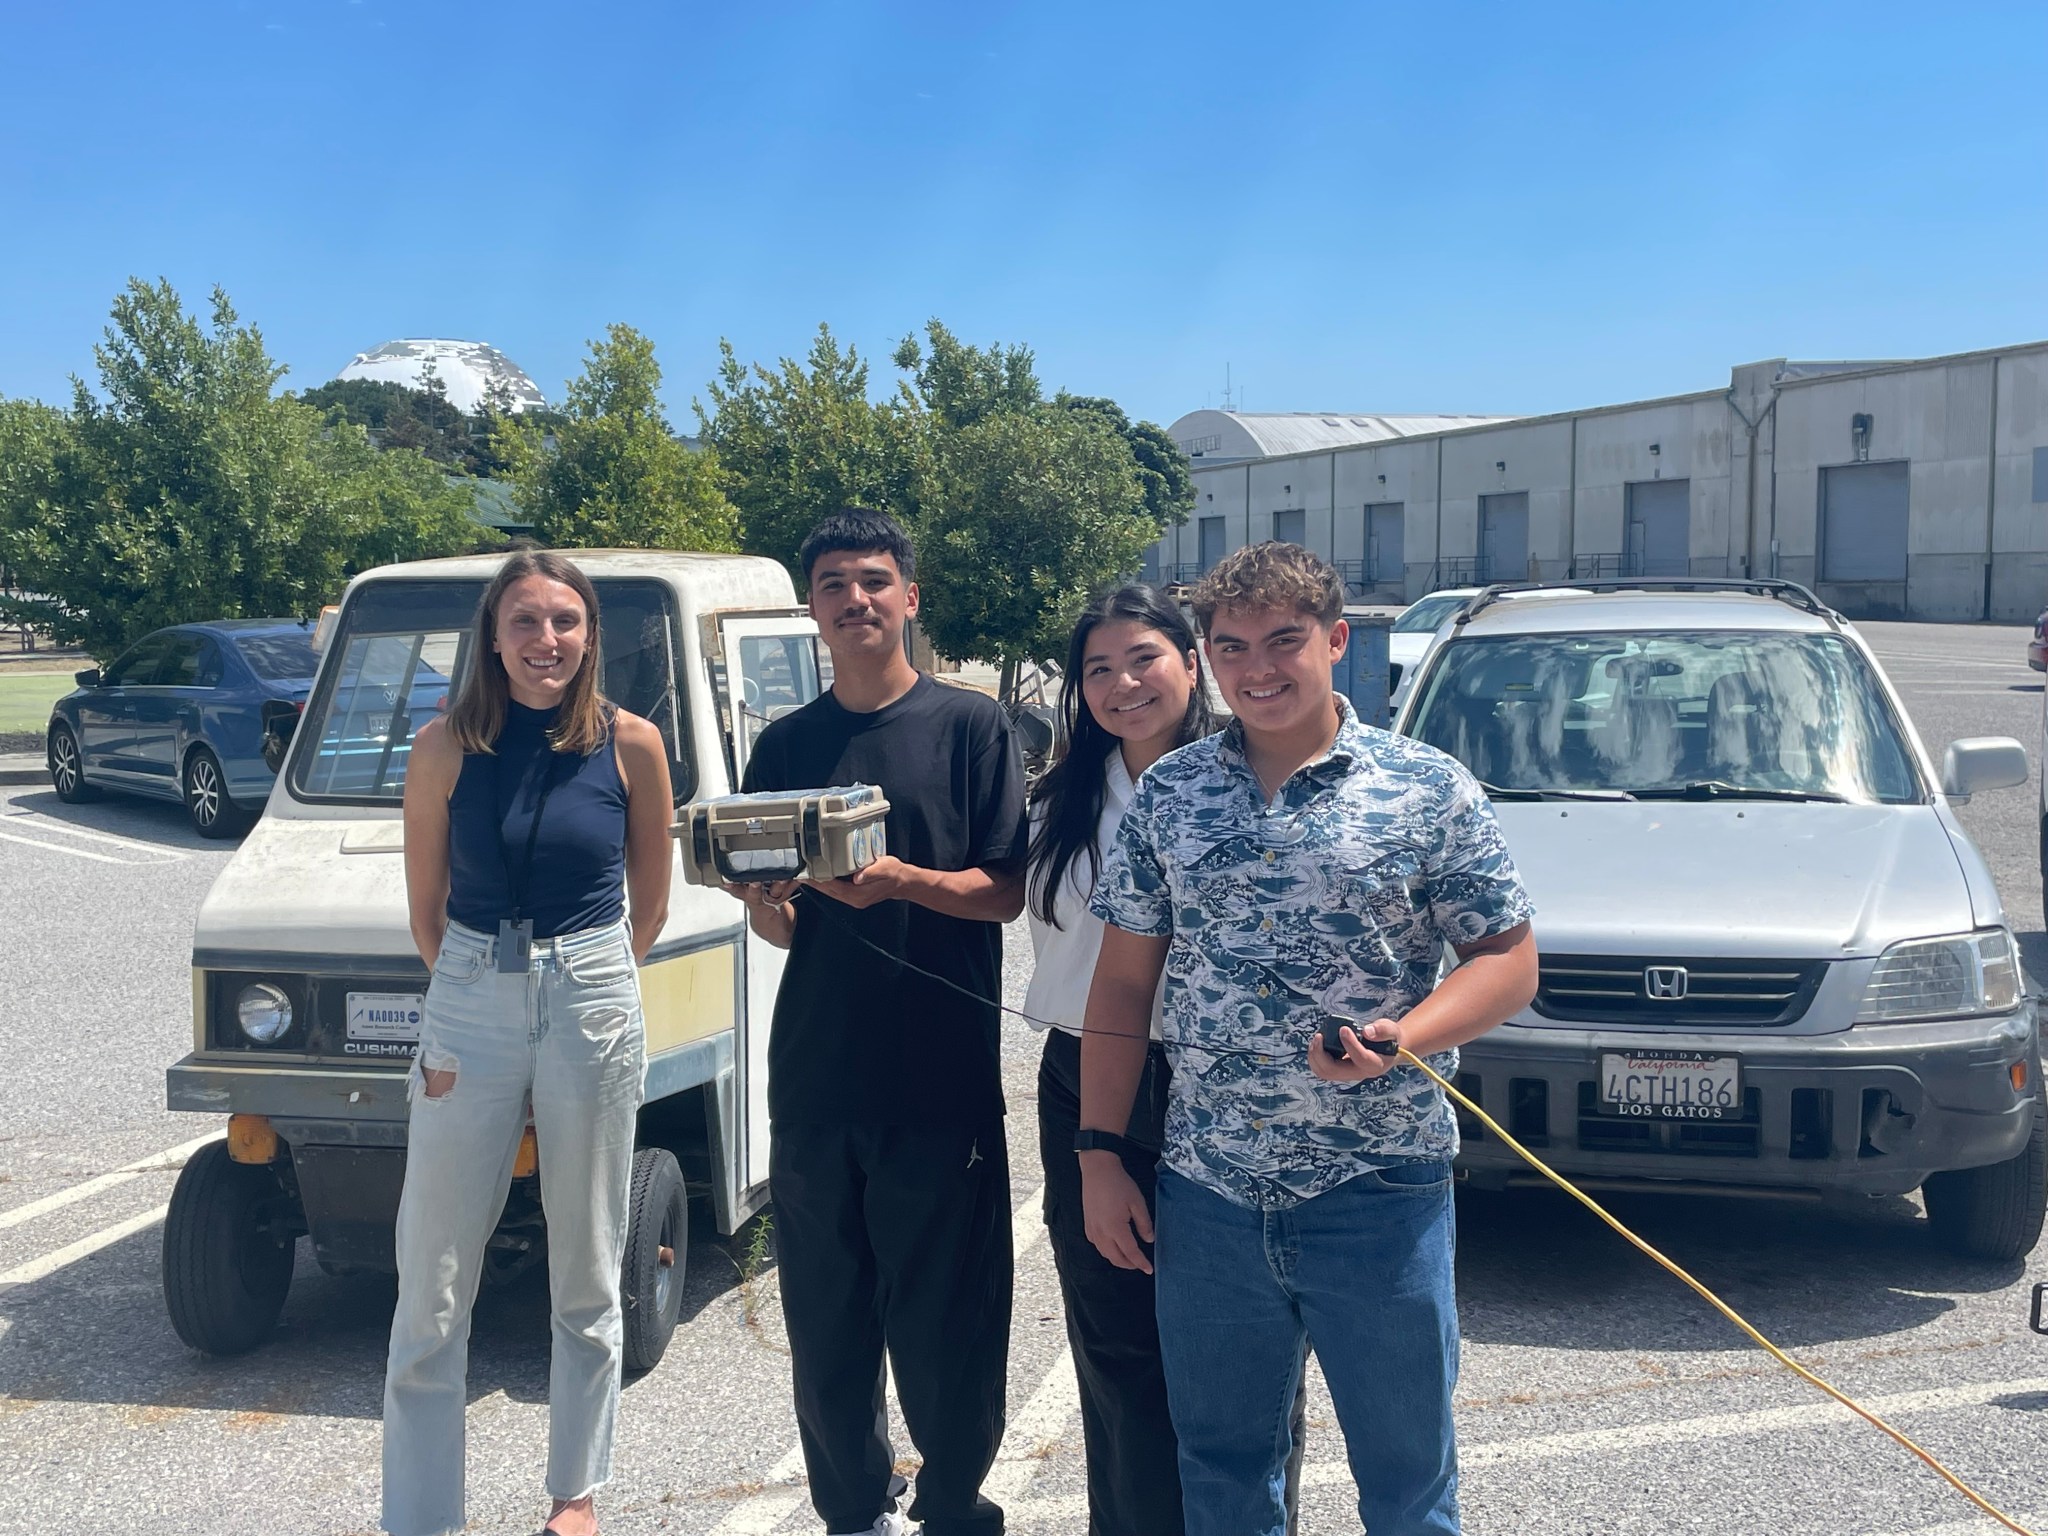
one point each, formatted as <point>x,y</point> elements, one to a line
<point>1716,994</point>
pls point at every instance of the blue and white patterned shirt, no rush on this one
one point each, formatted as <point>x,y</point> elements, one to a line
<point>1337,897</point>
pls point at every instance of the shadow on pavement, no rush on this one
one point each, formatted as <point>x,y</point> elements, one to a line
<point>143,821</point>
<point>1534,1267</point>
<point>96,1332</point>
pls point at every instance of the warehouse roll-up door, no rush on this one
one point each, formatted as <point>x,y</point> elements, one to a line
<point>1386,524</point>
<point>1291,527</point>
<point>1212,543</point>
<point>1863,512</point>
<point>1504,536</point>
<point>1660,527</point>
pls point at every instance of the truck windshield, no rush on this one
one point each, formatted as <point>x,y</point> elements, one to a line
<point>1703,715</point>
<point>399,652</point>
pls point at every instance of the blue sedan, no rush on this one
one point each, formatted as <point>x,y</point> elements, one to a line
<point>198,713</point>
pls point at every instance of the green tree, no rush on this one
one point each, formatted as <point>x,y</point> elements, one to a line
<point>958,384</point>
<point>616,476</point>
<point>191,491</point>
<point>802,439</point>
<point>1163,469</point>
<point>1031,511</point>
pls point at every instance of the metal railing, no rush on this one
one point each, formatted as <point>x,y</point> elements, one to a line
<point>1595,567</point>
<point>1460,571</point>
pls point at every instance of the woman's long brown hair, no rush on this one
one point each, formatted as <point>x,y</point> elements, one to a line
<point>479,712</point>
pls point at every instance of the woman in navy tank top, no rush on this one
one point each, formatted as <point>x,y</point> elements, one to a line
<point>537,871</point>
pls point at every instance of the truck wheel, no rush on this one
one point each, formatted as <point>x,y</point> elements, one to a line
<point>1995,1212</point>
<point>225,1271</point>
<point>657,1246</point>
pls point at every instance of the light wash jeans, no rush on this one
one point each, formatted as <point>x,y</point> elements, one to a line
<point>565,1037</point>
<point>1363,1273</point>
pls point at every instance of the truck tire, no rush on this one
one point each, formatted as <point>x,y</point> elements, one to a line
<point>1994,1212</point>
<point>225,1272</point>
<point>651,1287</point>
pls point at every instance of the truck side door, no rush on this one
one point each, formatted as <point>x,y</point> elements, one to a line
<point>771,667</point>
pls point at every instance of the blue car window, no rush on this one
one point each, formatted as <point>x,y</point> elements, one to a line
<point>138,664</point>
<point>280,658</point>
<point>192,663</point>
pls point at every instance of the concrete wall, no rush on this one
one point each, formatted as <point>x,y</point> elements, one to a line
<point>1967,426</point>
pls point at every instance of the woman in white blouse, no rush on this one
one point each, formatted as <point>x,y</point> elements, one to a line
<point>1132,694</point>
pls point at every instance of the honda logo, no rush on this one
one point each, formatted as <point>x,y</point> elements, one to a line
<point>1666,983</point>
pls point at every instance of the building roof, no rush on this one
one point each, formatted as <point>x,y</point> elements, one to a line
<point>1209,436</point>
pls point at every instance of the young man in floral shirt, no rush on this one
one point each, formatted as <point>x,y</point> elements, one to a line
<point>1294,867</point>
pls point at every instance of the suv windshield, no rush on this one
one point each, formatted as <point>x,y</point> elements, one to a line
<point>1712,715</point>
<point>401,650</point>
<point>1427,615</point>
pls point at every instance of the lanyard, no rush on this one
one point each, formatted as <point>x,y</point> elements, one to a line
<point>515,934</point>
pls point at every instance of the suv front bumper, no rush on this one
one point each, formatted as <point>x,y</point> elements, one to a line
<point>1871,1110</point>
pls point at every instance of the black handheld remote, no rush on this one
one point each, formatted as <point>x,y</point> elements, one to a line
<point>1333,1042</point>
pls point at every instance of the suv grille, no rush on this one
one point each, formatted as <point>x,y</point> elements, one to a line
<point>1717,993</point>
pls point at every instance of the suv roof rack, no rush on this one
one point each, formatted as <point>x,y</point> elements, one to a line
<point>1755,586</point>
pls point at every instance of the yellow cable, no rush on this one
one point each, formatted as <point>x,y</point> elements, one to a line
<point>1716,1302</point>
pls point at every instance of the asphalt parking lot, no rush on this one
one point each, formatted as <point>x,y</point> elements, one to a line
<point>1597,1395</point>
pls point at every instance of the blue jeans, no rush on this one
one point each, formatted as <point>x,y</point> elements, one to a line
<point>1363,1274</point>
<point>564,1040</point>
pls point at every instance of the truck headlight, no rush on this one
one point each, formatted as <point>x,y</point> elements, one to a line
<point>264,1013</point>
<point>1943,978</point>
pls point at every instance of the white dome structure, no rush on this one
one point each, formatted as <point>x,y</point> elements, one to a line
<point>467,368</point>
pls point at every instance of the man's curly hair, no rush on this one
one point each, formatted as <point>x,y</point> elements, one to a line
<point>1271,575</point>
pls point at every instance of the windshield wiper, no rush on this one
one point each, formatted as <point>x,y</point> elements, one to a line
<point>1721,789</point>
<point>1495,792</point>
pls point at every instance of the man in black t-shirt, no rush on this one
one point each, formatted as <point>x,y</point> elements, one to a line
<point>887,1162</point>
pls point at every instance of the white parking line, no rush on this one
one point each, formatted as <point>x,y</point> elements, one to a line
<point>1057,1400</point>
<point>762,1511</point>
<point>1819,1414</point>
<point>159,1162</point>
<point>76,853</point>
<point>66,829</point>
<point>71,1253</point>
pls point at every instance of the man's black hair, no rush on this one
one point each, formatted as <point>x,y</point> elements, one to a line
<point>859,529</point>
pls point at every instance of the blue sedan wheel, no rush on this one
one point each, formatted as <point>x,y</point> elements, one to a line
<point>67,767</point>
<point>206,797</point>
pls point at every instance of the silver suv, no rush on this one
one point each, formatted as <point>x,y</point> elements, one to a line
<point>1771,956</point>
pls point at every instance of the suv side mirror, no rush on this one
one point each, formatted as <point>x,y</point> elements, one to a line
<point>1982,762</point>
<point>89,678</point>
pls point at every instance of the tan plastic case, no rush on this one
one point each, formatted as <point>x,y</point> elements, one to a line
<point>818,834</point>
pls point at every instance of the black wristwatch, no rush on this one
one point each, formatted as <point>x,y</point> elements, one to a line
<point>1102,1141</point>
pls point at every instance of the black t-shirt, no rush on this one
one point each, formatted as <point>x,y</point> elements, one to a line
<point>858,1037</point>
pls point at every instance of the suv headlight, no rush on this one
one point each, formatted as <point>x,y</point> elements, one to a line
<point>264,1013</point>
<point>1943,978</point>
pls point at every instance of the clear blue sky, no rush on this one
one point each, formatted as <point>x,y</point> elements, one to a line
<point>1453,207</point>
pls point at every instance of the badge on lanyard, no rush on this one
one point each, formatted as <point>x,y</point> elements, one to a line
<point>515,933</point>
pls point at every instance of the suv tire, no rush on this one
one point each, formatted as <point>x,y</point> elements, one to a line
<point>67,771</point>
<point>1994,1212</point>
<point>225,1270</point>
<point>651,1291</point>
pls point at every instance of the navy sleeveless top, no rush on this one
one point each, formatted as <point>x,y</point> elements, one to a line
<point>579,862</point>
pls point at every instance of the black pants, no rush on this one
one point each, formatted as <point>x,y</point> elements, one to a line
<point>1133,1454</point>
<point>896,1236</point>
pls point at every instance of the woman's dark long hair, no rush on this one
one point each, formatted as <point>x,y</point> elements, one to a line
<point>1073,789</point>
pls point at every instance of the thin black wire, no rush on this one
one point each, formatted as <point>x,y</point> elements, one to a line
<point>854,933</point>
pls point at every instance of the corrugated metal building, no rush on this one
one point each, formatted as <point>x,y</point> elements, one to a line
<point>1898,489</point>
